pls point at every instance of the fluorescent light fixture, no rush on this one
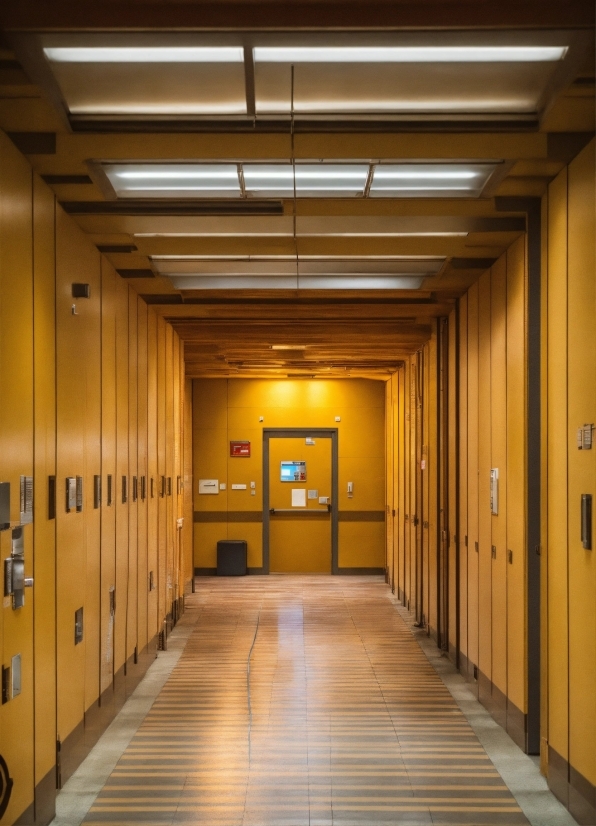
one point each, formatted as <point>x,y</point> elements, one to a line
<point>310,178</point>
<point>230,234</point>
<point>309,234</point>
<point>173,179</point>
<point>287,346</point>
<point>408,54</point>
<point>428,179</point>
<point>272,282</point>
<point>176,173</point>
<point>292,257</point>
<point>365,234</point>
<point>400,174</point>
<point>145,54</point>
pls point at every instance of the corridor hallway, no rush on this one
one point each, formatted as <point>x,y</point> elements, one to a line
<point>346,721</point>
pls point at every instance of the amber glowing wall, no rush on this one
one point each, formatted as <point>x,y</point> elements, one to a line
<point>230,409</point>
<point>458,411</point>
<point>81,395</point>
<point>569,402</point>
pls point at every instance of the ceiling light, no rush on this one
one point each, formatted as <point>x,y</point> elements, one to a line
<point>430,179</point>
<point>287,346</point>
<point>308,234</point>
<point>390,175</point>
<point>292,257</point>
<point>230,234</point>
<point>409,54</point>
<point>145,54</point>
<point>365,234</point>
<point>288,282</point>
<point>309,178</point>
<point>173,174</point>
<point>173,179</point>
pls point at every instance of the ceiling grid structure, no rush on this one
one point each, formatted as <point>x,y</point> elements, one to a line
<point>309,195</point>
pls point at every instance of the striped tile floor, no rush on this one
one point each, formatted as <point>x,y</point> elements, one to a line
<point>340,720</point>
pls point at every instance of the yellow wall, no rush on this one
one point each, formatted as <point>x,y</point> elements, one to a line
<point>460,411</point>
<point>487,375</point>
<point>569,389</point>
<point>492,426</point>
<point>225,410</point>
<point>78,398</point>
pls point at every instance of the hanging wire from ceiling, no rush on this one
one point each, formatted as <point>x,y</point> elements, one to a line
<point>293,158</point>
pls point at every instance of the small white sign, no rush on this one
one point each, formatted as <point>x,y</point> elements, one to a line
<point>222,485</point>
<point>312,494</point>
<point>323,500</point>
<point>298,498</point>
<point>208,486</point>
<point>238,487</point>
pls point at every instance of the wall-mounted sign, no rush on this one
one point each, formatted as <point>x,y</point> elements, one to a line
<point>209,486</point>
<point>239,448</point>
<point>293,472</point>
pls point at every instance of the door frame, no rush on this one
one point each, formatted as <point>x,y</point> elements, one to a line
<point>303,433</point>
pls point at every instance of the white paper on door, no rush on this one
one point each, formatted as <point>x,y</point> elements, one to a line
<point>298,498</point>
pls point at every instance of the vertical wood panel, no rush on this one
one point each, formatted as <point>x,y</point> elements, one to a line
<point>108,468</point>
<point>498,375</point>
<point>90,343</point>
<point>581,371</point>
<point>44,535</point>
<point>463,477</point>
<point>432,476</point>
<point>142,410</point>
<point>133,501</point>
<point>484,464</point>
<point>122,561</point>
<point>73,258</point>
<point>161,469</point>
<point>152,474</point>
<point>16,449</point>
<point>452,390</point>
<point>516,475</point>
<point>473,427</point>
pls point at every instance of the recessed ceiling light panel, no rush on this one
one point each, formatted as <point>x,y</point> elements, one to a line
<point>409,54</point>
<point>174,180</point>
<point>145,54</point>
<point>430,180</point>
<point>332,179</point>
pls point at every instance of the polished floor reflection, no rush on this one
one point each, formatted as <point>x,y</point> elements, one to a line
<point>303,700</point>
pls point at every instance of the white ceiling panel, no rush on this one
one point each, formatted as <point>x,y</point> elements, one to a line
<point>151,89</point>
<point>402,88</point>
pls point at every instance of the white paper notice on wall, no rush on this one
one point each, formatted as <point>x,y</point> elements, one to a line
<point>208,486</point>
<point>298,498</point>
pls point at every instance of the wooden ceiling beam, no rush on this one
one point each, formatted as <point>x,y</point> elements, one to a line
<point>68,15</point>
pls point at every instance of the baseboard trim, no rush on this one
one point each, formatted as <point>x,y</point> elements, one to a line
<point>98,716</point>
<point>574,791</point>
<point>45,799</point>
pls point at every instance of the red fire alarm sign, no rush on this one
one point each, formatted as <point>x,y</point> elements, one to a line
<point>239,448</point>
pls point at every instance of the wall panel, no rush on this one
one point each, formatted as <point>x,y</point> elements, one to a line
<point>498,392</point>
<point>79,382</point>
<point>516,489</point>
<point>462,538</point>
<point>581,372</point>
<point>44,537</point>
<point>472,510</point>
<point>17,450</point>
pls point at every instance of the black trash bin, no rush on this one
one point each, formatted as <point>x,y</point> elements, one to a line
<point>231,557</point>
